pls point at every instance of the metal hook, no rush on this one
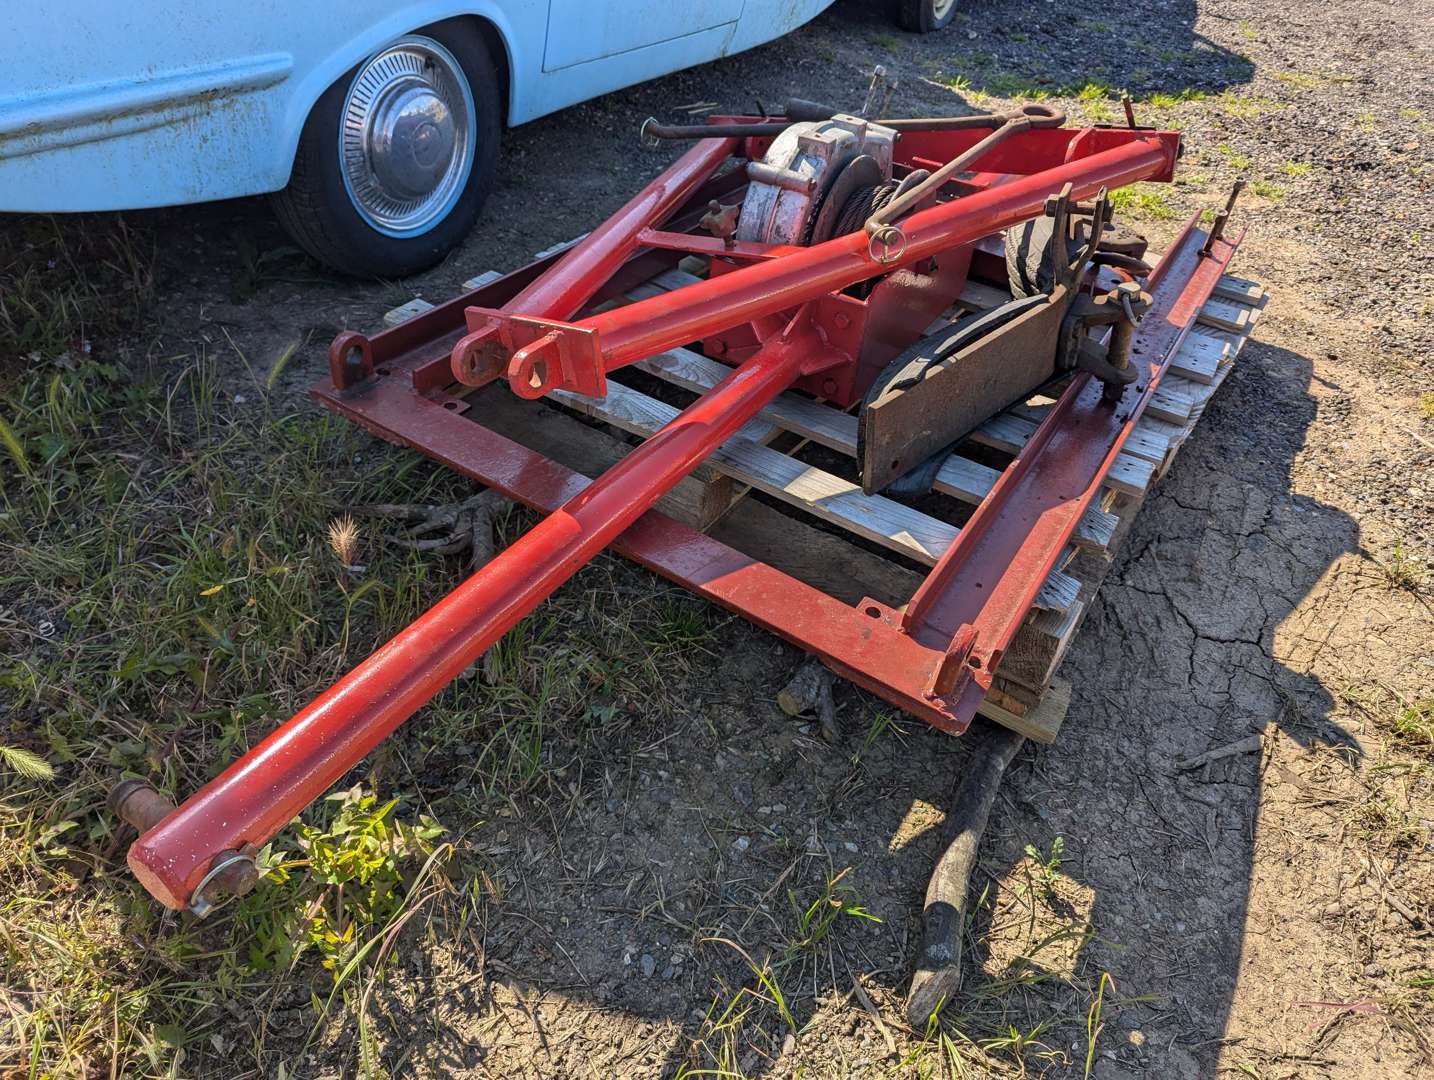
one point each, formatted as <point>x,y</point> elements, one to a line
<point>892,241</point>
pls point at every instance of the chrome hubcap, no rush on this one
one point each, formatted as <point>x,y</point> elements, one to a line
<point>406,147</point>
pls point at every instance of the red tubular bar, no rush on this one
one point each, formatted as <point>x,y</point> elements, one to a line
<point>636,331</point>
<point>587,265</point>
<point>265,789</point>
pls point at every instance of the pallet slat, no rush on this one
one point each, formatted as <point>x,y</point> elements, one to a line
<point>959,477</point>
<point>908,532</point>
<point>1231,315</point>
<point>1241,290</point>
<point>1199,357</point>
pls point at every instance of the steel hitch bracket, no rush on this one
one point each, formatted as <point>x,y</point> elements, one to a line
<point>536,355</point>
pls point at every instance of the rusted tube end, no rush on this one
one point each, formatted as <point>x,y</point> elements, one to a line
<point>230,874</point>
<point>137,803</point>
<point>350,359</point>
<point>479,357</point>
<point>139,859</point>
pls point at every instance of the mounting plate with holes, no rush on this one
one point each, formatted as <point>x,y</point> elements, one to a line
<point>544,354</point>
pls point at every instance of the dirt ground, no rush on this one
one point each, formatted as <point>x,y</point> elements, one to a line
<point>613,855</point>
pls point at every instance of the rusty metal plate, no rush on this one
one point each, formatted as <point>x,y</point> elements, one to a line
<point>923,404</point>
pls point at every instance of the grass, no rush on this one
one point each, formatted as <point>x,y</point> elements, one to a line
<point>1242,106</point>
<point>1164,99</point>
<point>1144,200</point>
<point>168,593</point>
<point>63,285</point>
<point>1300,80</point>
<point>1412,723</point>
<point>1232,157</point>
<point>1403,571</point>
<point>1426,405</point>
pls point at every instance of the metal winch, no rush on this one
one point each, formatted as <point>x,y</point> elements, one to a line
<point>809,175</point>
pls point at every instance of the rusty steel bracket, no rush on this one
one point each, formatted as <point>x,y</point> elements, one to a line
<point>1119,310</point>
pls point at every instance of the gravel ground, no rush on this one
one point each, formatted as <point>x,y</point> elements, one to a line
<point>1266,916</point>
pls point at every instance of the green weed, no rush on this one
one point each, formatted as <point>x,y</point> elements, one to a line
<point>1045,873</point>
<point>1143,200</point>
<point>1402,570</point>
<point>343,878</point>
<point>816,919</point>
<point>1413,723</point>
<point>1162,99</point>
<point>1233,157</point>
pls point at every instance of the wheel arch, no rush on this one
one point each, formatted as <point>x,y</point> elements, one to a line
<point>496,30</point>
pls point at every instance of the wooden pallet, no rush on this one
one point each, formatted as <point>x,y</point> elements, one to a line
<point>853,546</point>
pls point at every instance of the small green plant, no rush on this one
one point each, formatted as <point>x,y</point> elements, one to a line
<point>1233,157</point>
<point>1414,722</point>
<point>1403,571</point>
<point>1241,106</point>
<point>1143,200</point>
<point>1162,99</point>
<point>1299,80</point>
<point>1013,86</point>
<point>1426,405</point>
<point>883,720</point>
<point>1379,817</point>
<point>816,920</point>
<point>358,863</point>
<point>1296,168</point>
<point>1267,189</point>
<point>1046,872</point>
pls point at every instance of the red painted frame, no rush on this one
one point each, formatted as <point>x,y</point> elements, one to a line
<point>933,660</point>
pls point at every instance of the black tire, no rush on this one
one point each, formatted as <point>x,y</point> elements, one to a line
<point>317,211</point>
<point>920,17</point>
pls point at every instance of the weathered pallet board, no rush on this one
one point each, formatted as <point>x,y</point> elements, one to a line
<point>961,478</point>
<point>1238,317</point>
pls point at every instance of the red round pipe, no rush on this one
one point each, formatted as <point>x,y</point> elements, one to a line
<point>265,789</point>
<point>588,264</point>
<point>636,331</point>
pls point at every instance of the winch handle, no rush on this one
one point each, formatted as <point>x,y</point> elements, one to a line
<point>802,109</point>
<point>1038,114</point>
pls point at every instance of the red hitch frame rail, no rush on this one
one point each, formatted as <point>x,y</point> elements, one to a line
<point>783,317</point>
